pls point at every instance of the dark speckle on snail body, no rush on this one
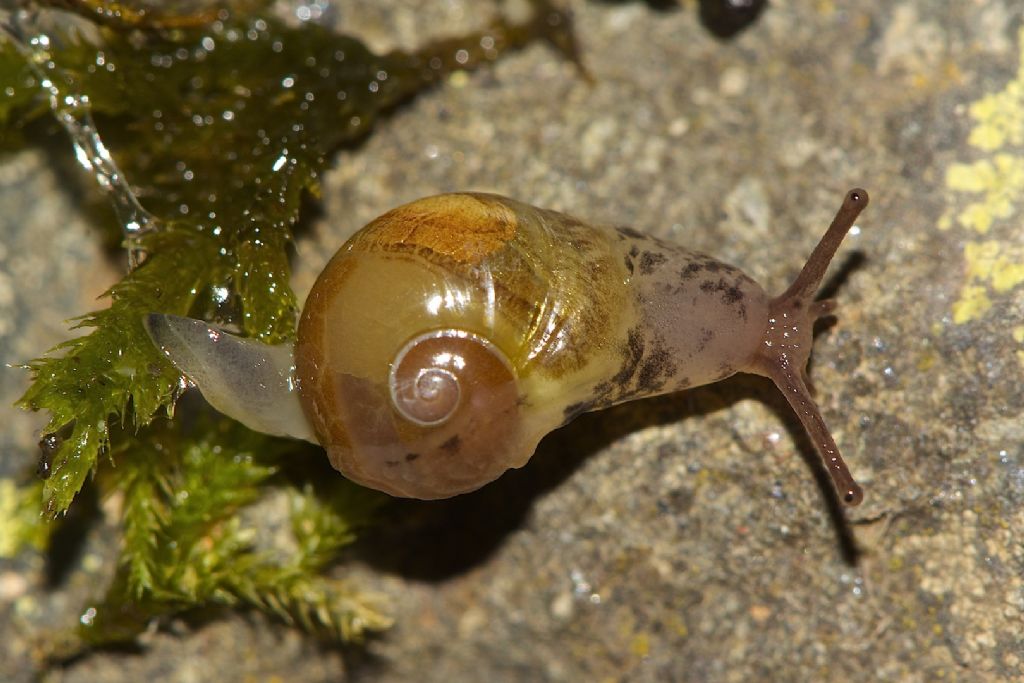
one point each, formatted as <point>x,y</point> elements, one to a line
<point>449,335</point>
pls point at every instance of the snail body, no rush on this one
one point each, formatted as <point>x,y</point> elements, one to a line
<point>448,336</point>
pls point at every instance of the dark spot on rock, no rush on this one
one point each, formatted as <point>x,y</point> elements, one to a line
<point>409,457</point>
<point>712,266</point>
<point>650,260</point>
<point>629,263</point>
<point>452,445</point>
<point>391,463</point>
<point>707,286</point>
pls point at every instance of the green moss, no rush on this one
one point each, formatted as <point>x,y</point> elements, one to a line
<point>188,542</point>
<point>220,127</point>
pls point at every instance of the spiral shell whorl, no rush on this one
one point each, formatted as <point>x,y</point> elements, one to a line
<point>442,419</point>
<point>427,376</point>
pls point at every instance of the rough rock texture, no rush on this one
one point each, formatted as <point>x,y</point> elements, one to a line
<point>687,538</point>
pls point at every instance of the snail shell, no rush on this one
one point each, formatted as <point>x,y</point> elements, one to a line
<point>449,335</point>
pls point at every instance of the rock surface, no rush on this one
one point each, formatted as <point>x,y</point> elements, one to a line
<point>691,537</point>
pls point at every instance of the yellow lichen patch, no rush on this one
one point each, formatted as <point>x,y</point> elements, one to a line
<point>991,267</point>
<point>1000,116</point>
<point>1004,267</point>
<point>1018,336</point>
<point>999,180</point>
<point>972,304</point>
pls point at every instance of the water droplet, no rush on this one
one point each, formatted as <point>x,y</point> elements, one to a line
<point>88,616</point>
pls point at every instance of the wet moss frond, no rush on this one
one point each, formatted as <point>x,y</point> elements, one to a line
<point>92,377</point>
<point>189,543</point>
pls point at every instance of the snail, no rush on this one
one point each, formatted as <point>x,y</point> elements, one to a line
<point>448,336</point>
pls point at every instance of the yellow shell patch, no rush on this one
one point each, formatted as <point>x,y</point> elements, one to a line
<point>464,227</point>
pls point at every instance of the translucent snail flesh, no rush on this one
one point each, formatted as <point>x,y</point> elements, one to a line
<point>448,336</point>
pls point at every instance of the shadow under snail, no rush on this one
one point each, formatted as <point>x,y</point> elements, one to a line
<point>448,336</point>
